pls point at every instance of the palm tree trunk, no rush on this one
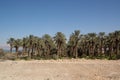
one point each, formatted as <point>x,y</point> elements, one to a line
<point>58,51</point>
<point>76,52</point>
<point>29,52</point>
<point>71,51</point>
<point>11,49</point>
<point>111,50</point>
<point>16,48</point>
<point>117,47</point>
<point>16,51</point>
<point>23,51</point>
<point>117,53</point>
<point>89,50</point>
<point>32,52</point>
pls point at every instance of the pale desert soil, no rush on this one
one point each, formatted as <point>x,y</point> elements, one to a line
<point>74,69</point>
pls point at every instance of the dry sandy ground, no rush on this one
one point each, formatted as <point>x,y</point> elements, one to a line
<point>74,69</point>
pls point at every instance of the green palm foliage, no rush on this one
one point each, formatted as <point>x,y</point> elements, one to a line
<point>10,42</point>
<point>92,42</point>
<point>31,46</point>
<point>117,41</point>
<point>73,43</point>
<point>101,41</point>
<point>49,44</point>
<point>60,42</point>
<point>88,45</point>
<point>17,43</point>
<point>40,47</point>
<point>25,44</point>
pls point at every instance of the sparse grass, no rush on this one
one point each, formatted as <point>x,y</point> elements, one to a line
<point>55,57</point>
<point>25,58</point>
<point>13,56</point>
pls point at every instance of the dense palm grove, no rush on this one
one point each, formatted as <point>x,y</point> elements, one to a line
<point>90,45</point>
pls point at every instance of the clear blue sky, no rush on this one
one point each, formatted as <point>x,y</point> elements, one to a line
<point>19,18</point>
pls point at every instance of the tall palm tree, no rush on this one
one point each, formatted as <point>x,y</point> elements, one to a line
<point>110,41</point>
<point>17,43</point>
<point>10,42</point>
<point>40,46</point>
<point>48,43</point>
<point>30,46</point>
<point>92,38</point>
<point>89,44</point>
<point>117,41</point>
<point>25,44</point>
<point>60,42</point>
<point>73,42</point>
<point>83,45</point>
<point>86,44</point>
<point>101,36</point>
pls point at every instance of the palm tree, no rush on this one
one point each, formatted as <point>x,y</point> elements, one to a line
<point>10,42</point>
<point>60,42</point>
<point>92,38</point>
<point>30,46</point>
<point>73,42</point>
<point>117,41</point>
<point>48,43</point>
<point>101,36</point>
<point>17,43</point>
<point>110,41</point>
<point>83,45</point>
<point>86,44</point>
<point>40,46</point>
<point>89,44</point>
<point>25,44</point>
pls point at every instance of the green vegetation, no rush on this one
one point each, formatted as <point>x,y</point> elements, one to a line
<point>89,46</point>
<point>1,53</point>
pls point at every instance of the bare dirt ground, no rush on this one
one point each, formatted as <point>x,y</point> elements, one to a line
<point>73,69</point>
